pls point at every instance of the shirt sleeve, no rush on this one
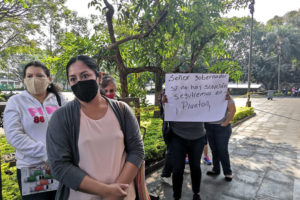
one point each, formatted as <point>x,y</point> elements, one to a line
<point>16,136</point>
<point>133,141</point>
<point>60,152</point>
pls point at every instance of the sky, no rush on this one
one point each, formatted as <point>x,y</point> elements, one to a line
<point>267,9</point>
<point>264,9</point>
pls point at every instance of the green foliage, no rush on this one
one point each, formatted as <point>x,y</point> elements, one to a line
<point>5,148</point>
<point>280,37</point>
<point>10,188</point>
<point>242,112</point>
<point>153,141</point>
<point>1,97</point>
<point>169,35</point>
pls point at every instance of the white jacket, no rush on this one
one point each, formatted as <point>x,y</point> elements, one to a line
<point>24,133</point>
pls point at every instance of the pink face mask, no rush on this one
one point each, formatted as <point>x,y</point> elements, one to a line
<point>111,96</point>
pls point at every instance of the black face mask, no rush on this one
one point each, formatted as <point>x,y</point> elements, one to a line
<point>85,90</point>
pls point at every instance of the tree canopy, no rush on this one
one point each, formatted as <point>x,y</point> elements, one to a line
<point>138,41</point>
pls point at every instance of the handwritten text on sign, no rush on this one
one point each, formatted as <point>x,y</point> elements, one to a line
<point>196,97</point>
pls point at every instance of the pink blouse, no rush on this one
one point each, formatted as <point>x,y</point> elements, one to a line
<point>101,152</point>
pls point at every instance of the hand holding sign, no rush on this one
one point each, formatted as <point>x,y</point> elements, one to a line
<point>196,97</point>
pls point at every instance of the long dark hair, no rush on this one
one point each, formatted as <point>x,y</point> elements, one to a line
<point>88,61</point>
<point>52,87</point>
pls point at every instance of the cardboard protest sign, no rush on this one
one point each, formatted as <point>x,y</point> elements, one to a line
<point>195,97</point>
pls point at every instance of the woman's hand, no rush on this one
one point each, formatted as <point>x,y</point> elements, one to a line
<point>224,124</point>
<point>227,97</point>
<point>47,168</point>
<point>164,99</point>
<point>116,191</point>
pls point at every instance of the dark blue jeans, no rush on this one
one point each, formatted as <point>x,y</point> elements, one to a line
<point>181,147</point>
<point>38,196</point>
<point>218,139</point>
<point>168,167</point>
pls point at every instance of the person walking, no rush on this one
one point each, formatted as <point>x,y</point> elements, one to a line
<point>26,117</point>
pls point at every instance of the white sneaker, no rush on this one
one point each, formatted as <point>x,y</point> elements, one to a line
<point>166,180</point>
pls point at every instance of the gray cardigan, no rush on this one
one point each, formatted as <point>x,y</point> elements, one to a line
<point>62,144</point>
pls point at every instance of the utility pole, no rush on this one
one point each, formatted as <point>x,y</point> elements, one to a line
<point>50,35</point>
<point>279,60</point>
<point>251,8</point>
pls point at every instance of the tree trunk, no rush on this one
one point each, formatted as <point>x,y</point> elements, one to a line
<point>124,84</point>
<point>158,90</point>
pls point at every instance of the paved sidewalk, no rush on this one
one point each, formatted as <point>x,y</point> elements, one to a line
<point>265,158</point>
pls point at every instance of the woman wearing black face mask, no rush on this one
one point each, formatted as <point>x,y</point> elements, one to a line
<point>95,148</point>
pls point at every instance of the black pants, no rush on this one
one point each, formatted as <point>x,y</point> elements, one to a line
<point>194,149</point>
<point>168,165</point>
<point>38,196</point>
<point>218,139</point>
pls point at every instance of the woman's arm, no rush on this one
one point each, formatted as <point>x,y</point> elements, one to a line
<point>133,142</point>
<point>128,173</point>
<point>59,141</point>
<point>92,186</point>
<point>231,111</point>
<point>16,136</point>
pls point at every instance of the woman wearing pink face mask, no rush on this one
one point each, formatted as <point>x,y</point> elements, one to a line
<point>108,86</point>
<point>26,118</point>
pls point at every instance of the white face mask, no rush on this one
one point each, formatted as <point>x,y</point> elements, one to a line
<point>36,85</point>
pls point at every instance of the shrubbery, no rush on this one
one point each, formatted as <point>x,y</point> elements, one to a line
<point>10,188</point>
<point>242,112</point>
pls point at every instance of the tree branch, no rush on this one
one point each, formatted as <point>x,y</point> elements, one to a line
<point>177,68</point>
<point>141,35</point>
<point>196,54</point>
<point>145,69</point>
<point>12,10</point>
<point>8,40</point>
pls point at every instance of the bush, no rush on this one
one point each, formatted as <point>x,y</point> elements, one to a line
<point>242,112</point>
<point>10,188</point>
<point>153,141</point>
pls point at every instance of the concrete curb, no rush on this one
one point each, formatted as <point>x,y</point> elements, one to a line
<point>154,167</point>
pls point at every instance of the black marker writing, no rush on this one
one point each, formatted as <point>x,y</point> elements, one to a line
<point>191,95</point>
<point>189,106</point>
